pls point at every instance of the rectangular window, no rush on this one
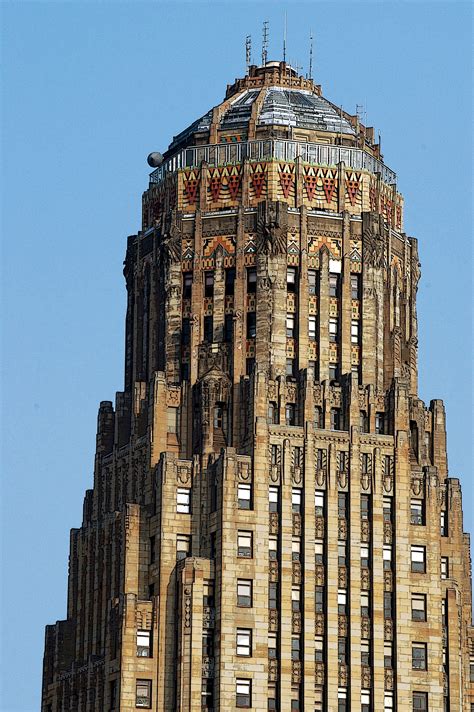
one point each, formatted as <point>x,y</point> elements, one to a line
<point>443,524</point>
<point>354,331</point>
<point>208,284</point>
<point>333,329</point>
<point>249,366</point>
<point>388,702</point>
<point>387,655</point>
<point>387,509</point>
<point>228,327</point>
<point>387,604</point>
<point>318,417</point>
<point>333,285</point>
<point>172,419</point>
<point>335,419</point>
<point>243,693</point>
<point>418,607</point>
<point>229,280</point>
<point>318,648</point>
<point>187,284</point>
<point>365,701</point>
<point>244,544</point>
<point>364,507</point>
<point>355,286</point>
<point>295,549</point>
<point>183,500</point>
<point>295,598</point>
<point>342,601</point>
<point>312,281</point>
<point>251,325</point>
<point>273,595</point>
<point>290,366</point>
<point>251,280</point>
<point>208,329</point>
<point>380,423</point>
<point>333,372</point>
<point>273,499</point>
<point>363,421</point>
<point>364,603</point>
<point>143,693</point>
<point>295,648</point>
<point>244,642</point>
<point>272,413</point>
<point>418,656</point>
<point>208,593</point>
<point>272,548</point>
<point>143,644</point>
<point>311,369</point>
<point>418,559</point>
<point>183,546</point>
<point>365,652</point>
<point>319,503</point>
<point>186,332</point>
<point>290,414</point>
<point>291,279</point>
<point>272,646</point>
<point>364,555</point>
<point>342,699</point>
<point>342,505</point>
<point>296,499</point>
<point>244,496</point>
<point>416,512</point>
<point>341,553</point>
<point>152,549</point>
<point>342,650</point>
<point>387,557</point>
<point>312,327</point>
<point>319,599</point>
<point>244,593</point>
<point>444,567</point>
<point>420,702</point>
<point>319,551</point>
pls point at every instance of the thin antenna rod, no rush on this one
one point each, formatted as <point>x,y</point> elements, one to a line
<point>248,52</point>
<point>310,54</point>
<point>284,39</point>
<point>265,43</point>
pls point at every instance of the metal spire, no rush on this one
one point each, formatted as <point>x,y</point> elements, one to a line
<point>284,39</point>
<point>248,52</point>
<point>310,54</point>
<point>265,43</point>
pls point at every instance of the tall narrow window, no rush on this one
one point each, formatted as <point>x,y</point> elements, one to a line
<point>333,329</point>
<point>342,699</point>
<point>364,555</point>
<point>272,413</point>
<point>296,499</point>
<point>273,499</point>
<point>295,549</point>
<point>244,495</point>
<point>185,332</point>
<point>244,544</point>
<point>319,503</point>
<point>363,421</point>
<point>355,286</point>
<point>418,607</point>
<point>333,372</point>
<point>143,693</point>
<point>228,327</point>
<point>416,512</point>
<point>183,546</point>
<point>420,702</point>
<point>290,414</point>
<point>387,509</point>
<point>387,557</point>
<point>183,500</point>
<point>318,648</point>
<point>272,646</point>
<point>251,280</point>
<point>354,331</point>
<point>187,285</point>
<point>312,327</point>
<point>365,701</point>
<point>208,329</point>
<point>244,642</point>
<point>295,648</point>
<point>387,605</point>
<point>418,656</point>
<point>342,651</point>
<point>290,325</point>
<point>272,548</point>
<point>319,551</point>
<point>364,603</point>
<point>364,507</point>
<point>251,325</point>
<point>143,643</point>
<point>335,419</point>
<point>243,693</point>
<point>295,598</point>
<point>342,505</point>
<point>333,285</point>
<point>418,559</point>
<point>380,423</point>
<point>291,279</point>
<point>229,280</point>
<point>208,284</point>
<point>244,593</point>
<point>273,595</point>
<point>444,567</point>
<point>312,284</point>
<point>365,652</point>
<point>388,702</point>
<point>290,366</point>
<point>443,524</point>
<point>319,599</point>
<point>342,601</point>
<point>387,655</point>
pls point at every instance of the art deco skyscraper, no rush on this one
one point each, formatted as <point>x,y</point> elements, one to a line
<point>272,525</point>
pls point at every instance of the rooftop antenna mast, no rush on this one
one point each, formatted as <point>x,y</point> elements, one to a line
<point>265,43</point>
<point>310,54</point>
<point>284,40</point>
<point>248,52</point>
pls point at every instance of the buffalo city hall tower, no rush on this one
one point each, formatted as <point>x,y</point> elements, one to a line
<point>272,525</point>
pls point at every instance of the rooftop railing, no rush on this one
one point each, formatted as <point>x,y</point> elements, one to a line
<point>320,154</point>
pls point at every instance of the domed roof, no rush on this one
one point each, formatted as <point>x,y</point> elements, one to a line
<point>269,96</point>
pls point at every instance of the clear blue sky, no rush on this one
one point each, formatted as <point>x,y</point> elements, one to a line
<point>89,89</point>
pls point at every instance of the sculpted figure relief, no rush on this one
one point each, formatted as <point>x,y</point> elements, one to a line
<point>272,224</point>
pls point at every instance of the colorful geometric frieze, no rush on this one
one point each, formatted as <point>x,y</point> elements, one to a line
<point>320,183</point>
<point>355,254</point>
<point>332,243</point>
<point>190,186</point>
<point>313,304</point>
<point>233,138</point>
<point>226,242</point>
<point>334,306</point>
<point>250,244</point>
<point>187,251</point>
<point>353,186</point>
<point>224,183</point>
<point>258,179</point>
<point>373,195</point>
<point>287,178</point>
